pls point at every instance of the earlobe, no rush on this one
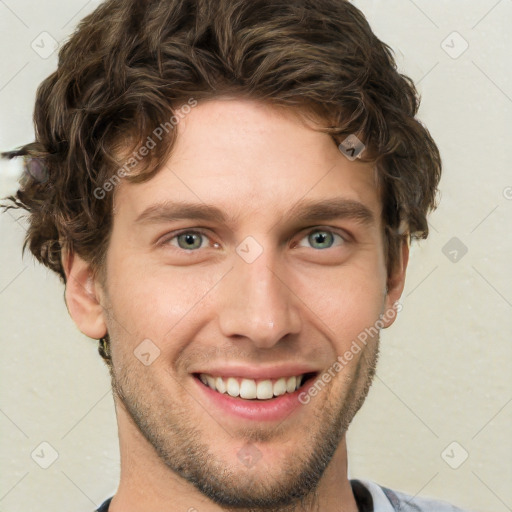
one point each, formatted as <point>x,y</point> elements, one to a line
<point>82,296</point>
<point>395,285</point>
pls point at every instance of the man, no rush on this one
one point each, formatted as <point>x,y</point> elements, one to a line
<point>228,189</point>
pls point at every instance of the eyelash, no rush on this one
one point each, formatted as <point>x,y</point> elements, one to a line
<point>167,241</point>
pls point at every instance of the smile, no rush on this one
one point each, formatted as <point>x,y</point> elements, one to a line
<point>254,399</point>
<point>251,389</point>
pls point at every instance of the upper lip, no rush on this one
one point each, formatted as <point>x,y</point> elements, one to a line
<point>258,372</point>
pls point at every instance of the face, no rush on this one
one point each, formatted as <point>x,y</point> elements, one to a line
<point>255,256</point>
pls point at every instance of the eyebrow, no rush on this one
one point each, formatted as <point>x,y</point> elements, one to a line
<point>302,211</point>
<point>334,208</point>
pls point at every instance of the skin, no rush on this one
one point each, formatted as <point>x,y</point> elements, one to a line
<point>297,302</point>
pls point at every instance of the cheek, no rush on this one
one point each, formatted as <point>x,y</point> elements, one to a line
<point>343,301</point>
<point>155,301</point>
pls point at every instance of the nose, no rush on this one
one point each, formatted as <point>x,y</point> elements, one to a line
<point>256,302</point>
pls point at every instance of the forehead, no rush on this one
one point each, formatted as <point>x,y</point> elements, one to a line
<point>246,157</point>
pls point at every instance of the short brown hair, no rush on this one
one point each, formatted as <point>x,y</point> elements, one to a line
<point>131,63</point>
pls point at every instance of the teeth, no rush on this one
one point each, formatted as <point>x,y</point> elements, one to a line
<point>249,389</point>
<point>291,384</point>
<point>232,387</point>
<point>264,390</point>
<point>280,387</point>
<point>220,385</point>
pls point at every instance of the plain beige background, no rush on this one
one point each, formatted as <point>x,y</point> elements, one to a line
<point>444,385</point>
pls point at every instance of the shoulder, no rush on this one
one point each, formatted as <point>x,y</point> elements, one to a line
<point>389,500</point>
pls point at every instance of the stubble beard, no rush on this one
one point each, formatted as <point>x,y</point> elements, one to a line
<point>290,487</point>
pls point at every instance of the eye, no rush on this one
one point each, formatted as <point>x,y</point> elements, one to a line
<point>322,239</point>
<point>188,240</point>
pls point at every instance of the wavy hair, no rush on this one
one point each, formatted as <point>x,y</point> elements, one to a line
<point>130,65</point>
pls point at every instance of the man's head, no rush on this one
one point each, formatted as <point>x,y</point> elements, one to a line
<point>191,194</point>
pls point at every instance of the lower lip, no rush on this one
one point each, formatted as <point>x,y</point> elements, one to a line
<point>274,409</point>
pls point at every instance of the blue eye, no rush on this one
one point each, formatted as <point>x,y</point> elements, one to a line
<point>322,239</point>
<point>192,240</point>
<point>188,240</point>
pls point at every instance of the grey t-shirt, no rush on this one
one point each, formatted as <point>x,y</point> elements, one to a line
<point>371,497</point>
<point>387,500</point>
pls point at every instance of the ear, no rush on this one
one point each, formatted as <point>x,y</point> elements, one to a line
<point>396,283</point>
<point>83,296</point>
